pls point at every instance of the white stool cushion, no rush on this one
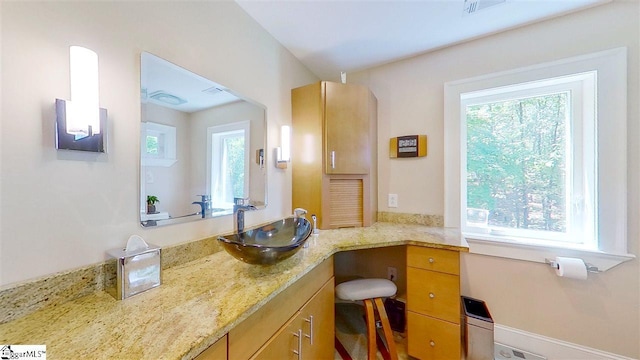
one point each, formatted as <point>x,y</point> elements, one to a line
<point>365,289</point>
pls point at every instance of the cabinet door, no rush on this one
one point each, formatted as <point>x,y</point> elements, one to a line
<point>217,351</point>
<point>286,344</point>
<point>318,325</point>
<point>346,129</point>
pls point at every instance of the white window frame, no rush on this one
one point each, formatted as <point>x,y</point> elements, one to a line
<point>611,120</point>
<point>166,135</point>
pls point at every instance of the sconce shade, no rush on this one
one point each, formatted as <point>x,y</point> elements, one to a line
<point>283,152</point>
<point>83,111</point>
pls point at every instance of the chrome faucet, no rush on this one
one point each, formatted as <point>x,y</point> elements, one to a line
<point>205,205</point>
<point>238,214</point>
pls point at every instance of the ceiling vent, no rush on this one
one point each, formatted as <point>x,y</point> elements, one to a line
<point>473,6</point>
<point>167,98</point>
<point>214,90</point>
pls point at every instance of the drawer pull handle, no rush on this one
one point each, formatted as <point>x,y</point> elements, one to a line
<point>333,159</point>
<point>432,295</point>
<point>298,352</point>
<point>431,260</point>
<point>310,335</point>
<point>432,343</point>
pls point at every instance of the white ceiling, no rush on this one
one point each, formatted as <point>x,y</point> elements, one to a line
<point>170,81</point>
<point>330,36</point>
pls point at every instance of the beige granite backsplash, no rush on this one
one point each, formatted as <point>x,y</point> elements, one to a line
<point>21,299</point>
<point>417,219</point>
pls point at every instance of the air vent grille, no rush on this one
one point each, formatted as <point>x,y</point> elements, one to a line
<point>473,6</point>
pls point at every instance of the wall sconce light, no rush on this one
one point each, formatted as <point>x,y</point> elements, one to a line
<point>283,153</point>
<point>81,123</point>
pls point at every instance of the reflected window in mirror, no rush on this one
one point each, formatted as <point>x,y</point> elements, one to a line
<point>229,153</point>
<point>159,144</point>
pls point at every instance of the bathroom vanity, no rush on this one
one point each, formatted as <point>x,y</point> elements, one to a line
<point>217,307</point>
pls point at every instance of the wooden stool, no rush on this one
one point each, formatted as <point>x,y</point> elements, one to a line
<point>371,292</point>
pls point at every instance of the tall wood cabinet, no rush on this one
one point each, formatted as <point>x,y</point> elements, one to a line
<point>334,157</point>
<point>433,303</point>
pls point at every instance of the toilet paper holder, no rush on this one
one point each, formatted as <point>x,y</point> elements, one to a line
<point>590,268</point>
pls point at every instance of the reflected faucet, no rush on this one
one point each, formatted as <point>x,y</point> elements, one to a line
<point>205,205</point>
<point>239,208</point>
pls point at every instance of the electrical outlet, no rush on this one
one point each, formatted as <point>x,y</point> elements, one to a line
<point>392,273</point>
<point>393,200</point>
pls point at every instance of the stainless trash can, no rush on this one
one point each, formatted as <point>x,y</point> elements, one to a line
<point>477,337</point>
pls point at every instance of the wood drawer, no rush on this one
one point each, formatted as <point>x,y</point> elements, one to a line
<point>433,293</point>
<point>429,338</point>
<point>446,261</point>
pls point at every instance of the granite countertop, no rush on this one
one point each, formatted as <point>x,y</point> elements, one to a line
<point>198,302</point>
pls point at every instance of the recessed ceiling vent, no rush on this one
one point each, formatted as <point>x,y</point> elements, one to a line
<point>473,6</point>
<point>167,98</point>
<point>214,90</point>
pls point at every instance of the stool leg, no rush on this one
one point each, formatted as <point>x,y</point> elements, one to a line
<point>371,330</point>
<point>386,327</point>
<point>344,354</point>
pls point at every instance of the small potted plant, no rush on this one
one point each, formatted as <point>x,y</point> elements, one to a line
<point>151,204</point>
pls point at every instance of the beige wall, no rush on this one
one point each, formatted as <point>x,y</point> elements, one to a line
<point>601,313</point>
<point>62,210</point>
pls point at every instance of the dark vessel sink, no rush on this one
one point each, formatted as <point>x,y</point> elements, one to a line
<point>268,244</point>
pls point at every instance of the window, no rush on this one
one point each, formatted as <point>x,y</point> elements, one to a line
<point>158,144</point>
<point>536,160</point>
<point>530,160</point>
<point>228,166</point>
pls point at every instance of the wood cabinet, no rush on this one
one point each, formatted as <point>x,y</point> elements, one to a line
<point>334,153</point>
<point>433,303</point>
<point>217,351</point>
<point>267,334</point>
<point>309,334</point>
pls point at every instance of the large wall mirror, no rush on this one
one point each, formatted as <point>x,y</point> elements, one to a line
<point>201,146</point>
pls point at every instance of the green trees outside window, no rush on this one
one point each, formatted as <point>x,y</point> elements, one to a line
<point>517,162</point>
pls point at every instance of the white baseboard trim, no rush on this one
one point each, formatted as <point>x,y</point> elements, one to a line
<point>552,349</point>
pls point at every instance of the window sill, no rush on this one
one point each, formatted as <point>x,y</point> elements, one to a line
<point>492,246</point>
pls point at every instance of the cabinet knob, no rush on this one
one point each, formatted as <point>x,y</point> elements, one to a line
<point>431,261</point>
<point>432,295</point>
<point>432,343</point>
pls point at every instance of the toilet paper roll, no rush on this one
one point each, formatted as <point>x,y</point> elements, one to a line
<point>572,268</point>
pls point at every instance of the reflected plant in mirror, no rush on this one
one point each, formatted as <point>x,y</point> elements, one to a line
<point>201,146</point>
